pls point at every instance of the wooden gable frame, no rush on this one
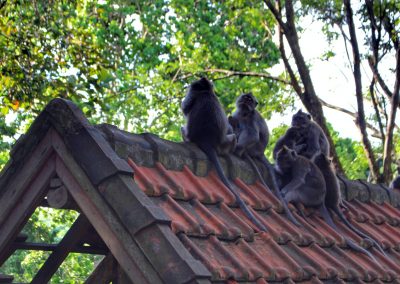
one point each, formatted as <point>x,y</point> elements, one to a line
<point>61,143</point>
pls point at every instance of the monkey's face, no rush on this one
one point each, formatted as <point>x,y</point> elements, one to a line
<point>247,102</point>
<point>286,157</point>
<point>301,119</point>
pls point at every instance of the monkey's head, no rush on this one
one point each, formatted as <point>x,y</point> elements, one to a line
<point>285,158</point>
<point>246,102</point>
<point>200,86</point>
<point>301,119</point>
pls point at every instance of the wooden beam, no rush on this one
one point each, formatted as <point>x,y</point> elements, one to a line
<point>102,217</point>
<point>70,240</point>
<point>53,247</point>
<point>105,271</point>
<point>15,190</point>
<point>24,207</point>
<point>6,278</point>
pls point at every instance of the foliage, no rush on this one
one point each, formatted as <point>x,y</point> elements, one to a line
<point>128,63</point>
<point>48,225</point>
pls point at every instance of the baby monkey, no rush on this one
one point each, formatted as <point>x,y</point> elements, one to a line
<point>252,138</point>
<point>207,126</point>
<point>305,183</point>
<point>305,136</point>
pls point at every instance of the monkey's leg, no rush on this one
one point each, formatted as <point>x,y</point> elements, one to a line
<point>275,188</point>
<point>245,140</point>
<point>228,145</point>
<point>184,134</point>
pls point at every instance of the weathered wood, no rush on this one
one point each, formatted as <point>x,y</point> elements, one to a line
<point>58,197</point>
<point>121,277</point>
<point>53,247</point>
<point>21,237</point>
<point>20,181</point>
<point>55,183</point>
<point>70,240</point>
<point>102,217</point>
<point>23,209</point>
<point>105,271</point>
<point>6,278</point>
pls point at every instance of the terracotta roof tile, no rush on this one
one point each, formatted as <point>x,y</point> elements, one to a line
<point>179,180</point>
<point>217,233</point>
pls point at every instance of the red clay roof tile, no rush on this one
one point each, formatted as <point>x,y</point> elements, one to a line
<point>216,232</point>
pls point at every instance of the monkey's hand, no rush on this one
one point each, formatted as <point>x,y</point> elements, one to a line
<point>300,148</point>
<point>233,122</point>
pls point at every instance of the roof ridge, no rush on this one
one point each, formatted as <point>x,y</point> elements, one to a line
<point>147,148</point>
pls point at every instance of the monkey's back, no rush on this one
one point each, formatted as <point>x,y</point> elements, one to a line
<point>207,122</point>
<point>332,197</point>
<point>314,183</point>
<point>395,183</point>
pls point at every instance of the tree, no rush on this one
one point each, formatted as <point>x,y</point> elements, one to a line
<point>379,21</point>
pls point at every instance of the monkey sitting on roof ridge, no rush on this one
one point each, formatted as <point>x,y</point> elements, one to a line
<point>252,138</point>
<point>207,126</point>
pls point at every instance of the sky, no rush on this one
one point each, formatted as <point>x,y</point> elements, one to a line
<point>333,80</point>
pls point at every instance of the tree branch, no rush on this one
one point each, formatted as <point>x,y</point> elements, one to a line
<point>360,121</point>
<point>375,132</point>
<point>231,73</point>
<point>375,104</point>
<point>276,13</point>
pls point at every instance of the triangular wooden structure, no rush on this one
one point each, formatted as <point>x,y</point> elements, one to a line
<point>63,161</point>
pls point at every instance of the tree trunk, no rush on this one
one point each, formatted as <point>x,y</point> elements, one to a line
<point>308,97</point>
<point>361,123</point>
<point>387,155</point>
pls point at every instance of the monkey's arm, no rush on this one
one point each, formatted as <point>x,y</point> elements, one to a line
<point>298,179</point>
<point>234,122</point>
<point>187,103</point>
<point>313,147</point>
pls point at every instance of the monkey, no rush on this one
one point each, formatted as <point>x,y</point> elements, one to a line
<point>252,135</point>
<point>305,136</point>
<point>304,183</point>
<point>395,184</point>
<point>333,198</point>
<point>207,126</point>
<point>291,139</point>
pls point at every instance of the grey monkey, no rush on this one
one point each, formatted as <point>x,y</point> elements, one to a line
<point>207,126</point>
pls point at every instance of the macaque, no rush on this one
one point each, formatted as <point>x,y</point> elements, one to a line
<point>305,183</point>
<point>207,127</point>
<point>305,136</point>
<point>252,138</point>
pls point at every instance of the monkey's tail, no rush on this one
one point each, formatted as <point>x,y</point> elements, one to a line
<point>328,219</point>
<point>275,187</point>
<point>358,232</point>
<point>212,155</point>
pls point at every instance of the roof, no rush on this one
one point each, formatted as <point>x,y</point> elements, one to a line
<point>159,209</point>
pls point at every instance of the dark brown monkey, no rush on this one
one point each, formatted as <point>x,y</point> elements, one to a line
<point>305,136</point>
<point>207,126</point>
<point>252,138</point>
<point>333,197</point>
<point>304,183</point>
